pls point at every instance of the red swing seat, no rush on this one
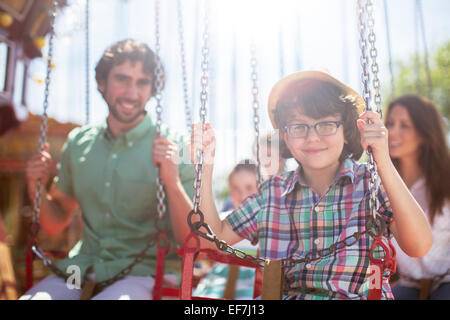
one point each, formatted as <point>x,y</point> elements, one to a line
<point>189,255</point>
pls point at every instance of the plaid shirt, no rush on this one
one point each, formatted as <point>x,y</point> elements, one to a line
<point>288,219</point>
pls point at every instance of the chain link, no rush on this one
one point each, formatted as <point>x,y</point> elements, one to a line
<point>187,109</point>
<point>87,57</point>
<point>389,49</point>
<point>373,56</point>
<point>43,128</point>
<point>209,235</point>
<point>364,14</point>
<point>420,21</point>
<point>374,228</point>
<point>255,93</point>
<point>35,226</point>
<point>365,77</point>
<point>203,111</point>
<point>158,69</point>
<point>124,272</point>
<point>160,193</point>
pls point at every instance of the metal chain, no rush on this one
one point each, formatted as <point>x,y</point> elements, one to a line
<point>43,128</point>
<point>203,102</point>
<point>161,228</point>
<point>153,238</point>
<point>374,180</point>
<point>373,56</point>
<point>187,109</point>
<point>124,272</point>
<point>160,225</point>
<point>160,194</point>
<point>205,66</point>
<point>87,57</point>
<point>158,69</point>
<point>365,77</point>
<point>281,52</point>
<point>208,234</point>
<point>389,49</point>
<point>419,16</point>
<point>374,227</point>
<point>255,93</point>
<point>35,226</point>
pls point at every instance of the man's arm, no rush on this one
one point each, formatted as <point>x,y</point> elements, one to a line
<point>57,208</point>
<point>165,155</point>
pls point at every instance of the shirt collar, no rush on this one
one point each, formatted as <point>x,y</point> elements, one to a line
<point>345,173</point>
<point>136,133</point>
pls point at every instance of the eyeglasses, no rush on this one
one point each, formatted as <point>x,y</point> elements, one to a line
<point>326,128</point>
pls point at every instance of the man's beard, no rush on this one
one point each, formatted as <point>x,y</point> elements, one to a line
<point>115,113</point>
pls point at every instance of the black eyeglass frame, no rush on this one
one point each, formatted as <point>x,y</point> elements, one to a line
<point>308,126</point>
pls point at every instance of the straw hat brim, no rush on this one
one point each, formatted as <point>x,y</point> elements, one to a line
<point>278,89</point>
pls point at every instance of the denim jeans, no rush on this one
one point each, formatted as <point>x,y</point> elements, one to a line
<point>410,293</point>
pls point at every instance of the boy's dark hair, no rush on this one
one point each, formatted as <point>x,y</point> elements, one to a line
<point>318,99</point>
<point>125,50</point>
<point>244,165</point>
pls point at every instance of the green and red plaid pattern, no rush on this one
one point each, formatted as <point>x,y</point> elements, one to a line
<point>288,219</point>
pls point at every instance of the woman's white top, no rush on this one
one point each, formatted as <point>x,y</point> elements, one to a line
<point>437,261</point>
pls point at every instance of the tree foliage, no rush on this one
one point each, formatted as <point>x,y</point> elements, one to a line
<point>411,77</point>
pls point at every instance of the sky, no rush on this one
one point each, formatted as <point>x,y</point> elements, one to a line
<point>288,35</point>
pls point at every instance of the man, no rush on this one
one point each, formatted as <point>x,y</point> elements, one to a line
<point>108,173</point>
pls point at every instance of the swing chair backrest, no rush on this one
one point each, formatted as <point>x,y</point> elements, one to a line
<point>190,254</point>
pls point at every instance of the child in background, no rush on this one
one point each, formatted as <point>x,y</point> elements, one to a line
<point>327,198</point>
<point>241,183</point>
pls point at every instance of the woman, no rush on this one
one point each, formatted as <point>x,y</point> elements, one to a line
<point>418,148</point>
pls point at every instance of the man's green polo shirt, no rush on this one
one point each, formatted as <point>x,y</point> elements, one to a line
<point>114,181</point>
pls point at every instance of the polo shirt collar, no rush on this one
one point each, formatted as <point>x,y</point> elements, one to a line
<point>345,173</point>
<point>140,130</point>
<point>136,133</point>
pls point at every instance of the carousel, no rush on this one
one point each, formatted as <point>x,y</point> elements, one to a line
<point>23,28</point>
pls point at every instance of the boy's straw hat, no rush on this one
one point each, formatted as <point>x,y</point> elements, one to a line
<point>279,88</point>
